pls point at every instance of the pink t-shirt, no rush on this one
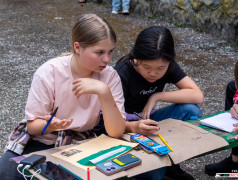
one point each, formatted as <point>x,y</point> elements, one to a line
<point>52,86</point>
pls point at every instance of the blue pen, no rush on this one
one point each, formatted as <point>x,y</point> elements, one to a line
<point>53,114</point>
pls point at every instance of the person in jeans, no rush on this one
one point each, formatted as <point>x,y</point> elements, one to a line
<point>144,73</point>
<point>229,164</point>
<point>116,6</point>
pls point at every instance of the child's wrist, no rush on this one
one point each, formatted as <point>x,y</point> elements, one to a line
<point>130,127</point>
<point>104,90</point>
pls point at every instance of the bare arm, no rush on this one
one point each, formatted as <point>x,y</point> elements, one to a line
<point>188,92</point>
<point>35,127</point>
<point>113,120</point>
<point>142,126</point>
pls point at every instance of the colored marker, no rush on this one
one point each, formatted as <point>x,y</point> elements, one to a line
<point>49,121</point>
<point>88,173</point>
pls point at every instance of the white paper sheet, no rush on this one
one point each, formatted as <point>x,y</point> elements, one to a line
<point>222,121</point>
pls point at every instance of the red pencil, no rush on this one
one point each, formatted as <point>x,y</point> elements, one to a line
<point>88,173</point>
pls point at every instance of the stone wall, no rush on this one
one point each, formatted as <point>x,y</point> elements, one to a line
<point>218,17</point>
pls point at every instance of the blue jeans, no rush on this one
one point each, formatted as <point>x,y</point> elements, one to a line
<point>177,111</point>
<point>116,5</point>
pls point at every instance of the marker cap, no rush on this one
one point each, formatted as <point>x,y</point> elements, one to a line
<point>193,117</point>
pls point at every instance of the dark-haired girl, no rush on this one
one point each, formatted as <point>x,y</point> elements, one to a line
<point>144,73</point>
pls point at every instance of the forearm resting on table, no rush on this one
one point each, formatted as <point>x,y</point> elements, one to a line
<point>113,120</point>
<point>35,127</point>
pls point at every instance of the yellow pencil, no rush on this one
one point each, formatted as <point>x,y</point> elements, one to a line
<point>165,142</point>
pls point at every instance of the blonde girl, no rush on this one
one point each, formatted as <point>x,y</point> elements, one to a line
<point>80,84</point>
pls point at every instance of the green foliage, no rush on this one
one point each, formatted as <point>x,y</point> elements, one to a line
<point>151,16</point>
<point>177,24</point>
<point>231,45</point>
<point>198,30</point>
<point>143,16</point>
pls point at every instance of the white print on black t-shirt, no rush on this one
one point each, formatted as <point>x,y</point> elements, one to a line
<point>149,91</point>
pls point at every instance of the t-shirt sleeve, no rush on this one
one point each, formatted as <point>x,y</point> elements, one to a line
<point>117,92</point>
<point>176,74</point>
<point>40,99</point>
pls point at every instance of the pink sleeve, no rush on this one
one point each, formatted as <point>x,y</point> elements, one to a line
<point>117,92</point>
<point>40,99</point>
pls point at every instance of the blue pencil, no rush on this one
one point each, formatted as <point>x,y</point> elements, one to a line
<point>49,120</point>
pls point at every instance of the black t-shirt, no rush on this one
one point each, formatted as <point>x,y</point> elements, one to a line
<point>137,90</point>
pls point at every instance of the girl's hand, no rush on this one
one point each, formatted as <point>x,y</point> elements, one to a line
<point>234,111</point>
<point>88,86</point>
<point>149,106</point>
<point>234,114</point>
<point>235,130</point>
<point>143,127</point>
<point>56,123</point>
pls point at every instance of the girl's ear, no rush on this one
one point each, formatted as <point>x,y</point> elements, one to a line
<point>135,62</point>
<point>77,47</point>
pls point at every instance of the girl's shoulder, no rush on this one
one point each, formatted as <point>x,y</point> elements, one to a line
<point>124,68</point>
<point>108,74</point>
<point>123,65</point>
<point>53,64</point>
<point>108,71</point>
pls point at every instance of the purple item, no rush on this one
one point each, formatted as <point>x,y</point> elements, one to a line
<point>17,159</point>
<point>133,117</point>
